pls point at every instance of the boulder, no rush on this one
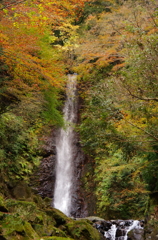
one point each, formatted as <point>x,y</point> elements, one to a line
<point>59,217</point>
<point>3,207</point>
<point>22,191</point>
<point>136,234</point>
<point>55,238</point>
<point>82,230</point>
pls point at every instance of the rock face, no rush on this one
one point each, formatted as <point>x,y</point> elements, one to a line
<point>79,208</point>
<point>46,174</point>
<point>46,171</point>
<point>136,234</point>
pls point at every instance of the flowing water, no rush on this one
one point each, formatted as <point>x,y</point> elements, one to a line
<point>119,230</point>
<point>64,142</point>
<point>111,233</point>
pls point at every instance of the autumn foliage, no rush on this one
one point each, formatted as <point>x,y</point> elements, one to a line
<point>27,38</point>
<point>32,74</point>
<point>117,59</point>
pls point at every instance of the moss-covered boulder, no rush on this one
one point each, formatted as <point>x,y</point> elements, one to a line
<point>42,203</point>
<point>82,230</point>
<point>49,230</point>
<point>3,207</point>
<point>17,206</point>
<point>59,217</point>
<point>28,211</point>
<point>24,220</point>
<point>15,228</point>
<point>56,238</point>
<point>30,231</point>
<point>94,218</point>
<point>21,191</point>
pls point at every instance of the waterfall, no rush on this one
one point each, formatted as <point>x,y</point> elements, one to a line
<point>64,142</point>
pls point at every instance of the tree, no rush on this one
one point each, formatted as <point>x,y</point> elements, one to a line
<point>119,117</point>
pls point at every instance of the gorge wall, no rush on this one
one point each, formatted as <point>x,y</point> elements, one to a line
<point>48,167</point>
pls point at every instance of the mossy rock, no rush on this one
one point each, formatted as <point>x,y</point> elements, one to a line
<point>49,231</point>
<point>30,232</point>
<point>15,228</point>
<point>14,205</point>
<point>11,224</point>
<point>42,218</point>
<point>3,207</point>
<point>22,191</point>
<point>82,230</point>
<point>55,238</point>
<point>42,203</point>
<point>47,202</point>
<point>59,217</point>
<point>58,232</point>
<point>2,215</point>
<point>26,210</point>
<point>94,218</point>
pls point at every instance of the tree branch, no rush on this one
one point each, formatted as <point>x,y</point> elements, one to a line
<point>138,97</point>
<point>142,130</point>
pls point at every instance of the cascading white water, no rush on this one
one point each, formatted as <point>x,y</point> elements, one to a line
<point>64,167</point>
<point>111,234</point>
<point>135,225</point>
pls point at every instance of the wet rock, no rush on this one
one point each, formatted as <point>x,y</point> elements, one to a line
<point>120,232</point>
<point>102,226</point>
<point>79,208</point>
<point>46,171</point>
<point>119,228</point>
<point>136,234</point>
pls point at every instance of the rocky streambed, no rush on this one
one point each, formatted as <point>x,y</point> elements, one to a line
<point>37,220</point>
<point>118,229</point>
